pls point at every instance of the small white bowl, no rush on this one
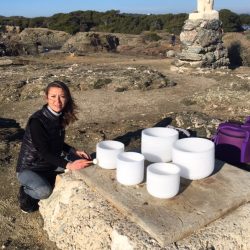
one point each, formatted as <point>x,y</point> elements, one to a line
<point>156,143</point>
<point>195,157</point>
<point>163,180</point>
<point>106,153</point>
<point>130,168</point>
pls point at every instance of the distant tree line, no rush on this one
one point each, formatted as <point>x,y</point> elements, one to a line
<point>116,22</point>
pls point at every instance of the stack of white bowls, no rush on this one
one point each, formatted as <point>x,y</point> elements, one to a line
<point>163,179</point>
<point>192,158</point>
<point>129,165</point>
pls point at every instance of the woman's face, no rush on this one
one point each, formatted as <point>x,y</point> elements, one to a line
<point>56,99</point>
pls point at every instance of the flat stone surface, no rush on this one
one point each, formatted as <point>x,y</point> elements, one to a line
<point>5,62</point>
<point>197,204</point>
<point>204,15</point>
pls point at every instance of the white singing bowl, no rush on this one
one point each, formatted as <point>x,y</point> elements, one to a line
<point>130,168</point>
<point>195,157</point>
<point>163,180</point>
<point>156,143</point>
<point>106,153</point>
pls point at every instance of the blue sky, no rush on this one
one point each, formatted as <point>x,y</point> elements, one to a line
<point>32,8</point>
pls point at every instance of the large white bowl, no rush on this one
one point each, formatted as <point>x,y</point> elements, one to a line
<point>130,168</point>
<point>163,180</point>
<point>106,153</point>
<point>156,143</point>
<point>195,157</point>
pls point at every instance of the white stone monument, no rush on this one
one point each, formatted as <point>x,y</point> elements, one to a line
<point>201,39</point>
<point>205,10</point>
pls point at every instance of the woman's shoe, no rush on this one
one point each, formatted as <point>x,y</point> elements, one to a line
<point>26,202</point>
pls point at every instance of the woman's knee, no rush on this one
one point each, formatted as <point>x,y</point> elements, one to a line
<point>43,192</point>
<point>36,185</point>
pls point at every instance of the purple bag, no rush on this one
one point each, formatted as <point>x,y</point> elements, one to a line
<point>247,121</point>
<point>232,142</point>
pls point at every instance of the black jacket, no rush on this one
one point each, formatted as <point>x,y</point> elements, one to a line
<point>43,143</point>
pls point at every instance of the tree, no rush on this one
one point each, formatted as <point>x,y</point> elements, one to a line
<point>64,22</point>
<point>230,21</point>
<point>38,22</point>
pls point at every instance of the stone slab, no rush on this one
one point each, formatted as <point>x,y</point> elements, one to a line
<point>204,15</point>
<point>5,62</point>
<point>197,204</point>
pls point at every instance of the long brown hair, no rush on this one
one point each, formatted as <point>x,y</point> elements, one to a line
<point>70,109</point>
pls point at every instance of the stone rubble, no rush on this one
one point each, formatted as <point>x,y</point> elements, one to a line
<point>15,85</point>
<point>35,41</point>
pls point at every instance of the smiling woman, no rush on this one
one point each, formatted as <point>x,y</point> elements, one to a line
<point>56,99</point>
<point>40,158</point>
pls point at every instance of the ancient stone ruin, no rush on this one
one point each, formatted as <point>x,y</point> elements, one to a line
<point>201,39</point>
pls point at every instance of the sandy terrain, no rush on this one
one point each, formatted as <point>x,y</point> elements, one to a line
<point>106,114</point>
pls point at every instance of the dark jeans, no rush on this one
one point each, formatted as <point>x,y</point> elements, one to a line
<point>38,185</point>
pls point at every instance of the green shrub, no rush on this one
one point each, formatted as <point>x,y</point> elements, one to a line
<point>151,37</point>
<point>230,21</point>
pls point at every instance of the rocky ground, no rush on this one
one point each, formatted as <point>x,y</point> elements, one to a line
<point>117,97</point>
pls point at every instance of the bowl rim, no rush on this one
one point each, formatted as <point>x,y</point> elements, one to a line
<point>139,156</point>
<point>116,145</point>
<point>187,149</point>
<point>172,132</point>
<point>164,173</point>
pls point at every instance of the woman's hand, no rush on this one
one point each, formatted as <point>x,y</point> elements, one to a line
<point>78,164</point>
<point>81,154</point>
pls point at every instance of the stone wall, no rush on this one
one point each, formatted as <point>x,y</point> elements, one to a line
<point>202,44</point>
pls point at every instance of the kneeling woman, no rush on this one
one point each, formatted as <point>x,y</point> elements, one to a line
<point>40,158</point>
